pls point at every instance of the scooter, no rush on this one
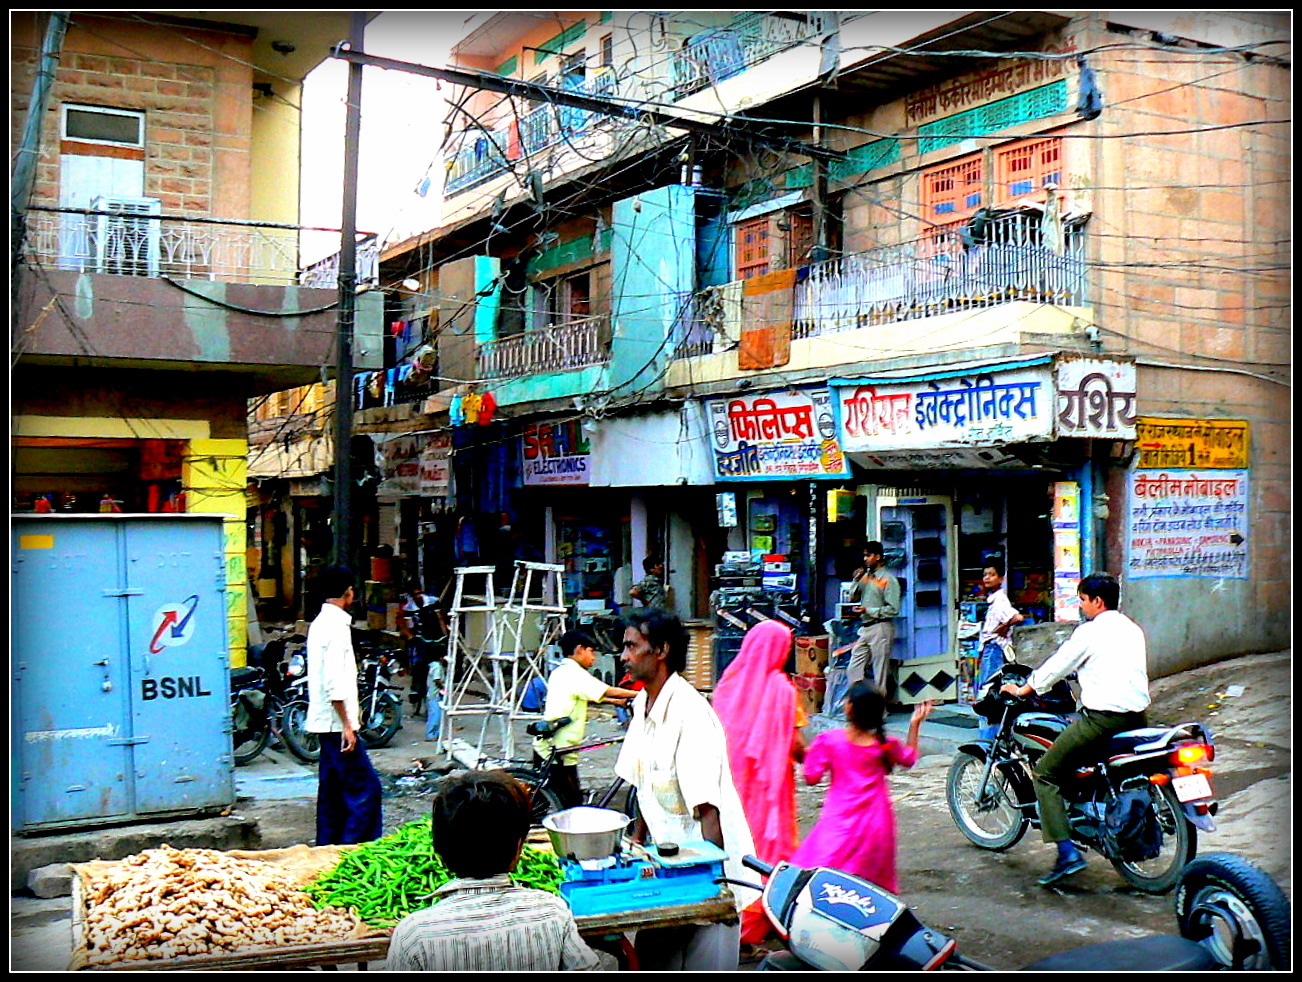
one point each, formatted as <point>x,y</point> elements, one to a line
<point>1231,916</point>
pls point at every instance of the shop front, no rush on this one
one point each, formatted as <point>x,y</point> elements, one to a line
<point>981,464</point>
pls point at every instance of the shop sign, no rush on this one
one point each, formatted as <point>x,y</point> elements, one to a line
<point>1096,398</point>
<point>776,435</point>
<point>435,478</point>
<point>398,458</point>
<point>978,409</point>
<point>1187,523</point>
<point>555,454</point>
<point>1066,551</point>
<point>1219,443</point>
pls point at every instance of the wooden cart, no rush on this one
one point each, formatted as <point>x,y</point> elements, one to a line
<point>607,928</point>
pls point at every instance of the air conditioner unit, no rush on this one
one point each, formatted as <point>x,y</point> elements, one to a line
<point>127,242</point>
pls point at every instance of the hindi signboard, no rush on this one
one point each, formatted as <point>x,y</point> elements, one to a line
<point>1096,398</point>
<point>1188,523</point>
<point>776,435</point>
<point>1204,443</point>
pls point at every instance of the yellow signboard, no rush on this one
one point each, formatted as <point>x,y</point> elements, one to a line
<point>1201,443</point>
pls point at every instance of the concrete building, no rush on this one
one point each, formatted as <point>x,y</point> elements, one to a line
<point>156,274</point>
<point>981,286</point>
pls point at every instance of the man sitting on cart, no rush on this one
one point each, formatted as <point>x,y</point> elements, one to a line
<point>482,921</point>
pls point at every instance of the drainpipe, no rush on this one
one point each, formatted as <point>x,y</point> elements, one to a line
<point>29,150</point>
<point>343,473</point>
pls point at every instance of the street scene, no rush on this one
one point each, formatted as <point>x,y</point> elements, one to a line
<point>651,490</point>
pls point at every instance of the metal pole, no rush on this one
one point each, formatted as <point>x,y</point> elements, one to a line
<point>343,474</point>
<point>29,150</point>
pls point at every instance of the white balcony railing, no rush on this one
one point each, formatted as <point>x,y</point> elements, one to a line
<point>752,36</point>
<point>578,344</point>
<point>324,274</point>
<point>1007,261</point>
<point>142,244</point>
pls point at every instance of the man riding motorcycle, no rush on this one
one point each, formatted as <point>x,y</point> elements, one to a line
<point>1109,656</point>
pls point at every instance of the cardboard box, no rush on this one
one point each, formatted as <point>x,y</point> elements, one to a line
<point>812,654</point>
<point>375,620</point>
<point>811,689</point>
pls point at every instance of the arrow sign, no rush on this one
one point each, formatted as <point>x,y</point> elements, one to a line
<point>174,624</point>
<point>1236,539</point>
<point>169,618</point>
<point>179,629</point>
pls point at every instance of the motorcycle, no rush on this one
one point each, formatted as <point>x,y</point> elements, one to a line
<point>1231,916</point>
<point>1139,805</point>
<point>258,696</point>
<point>379,701</point>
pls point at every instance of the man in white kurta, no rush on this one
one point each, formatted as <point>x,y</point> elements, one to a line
<point>676,756</point>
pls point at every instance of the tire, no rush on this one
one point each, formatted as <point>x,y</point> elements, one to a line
<point>1179,843</point>
<point>545,801</point>
<point>384,725</point>
<point>999,824</point>
<point>1224,899</point>
<point>293,728</point>
<point>248,739</point>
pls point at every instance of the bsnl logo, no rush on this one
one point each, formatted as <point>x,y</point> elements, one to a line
<point>172,688</point>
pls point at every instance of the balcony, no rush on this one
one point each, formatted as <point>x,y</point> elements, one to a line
<point>578,344</point>
<point>942,274</point>
<point>722,52</point>
<point>324,274</point>
<point>132,239</point>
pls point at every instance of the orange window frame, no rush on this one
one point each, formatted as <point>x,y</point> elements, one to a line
<point>752,248</point>
<point>1024,168</point>
<point>953,192</point>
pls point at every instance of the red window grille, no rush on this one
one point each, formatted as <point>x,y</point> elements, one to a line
<point>953,191</point>
<point>752,248</point>
<point>1025,168</point>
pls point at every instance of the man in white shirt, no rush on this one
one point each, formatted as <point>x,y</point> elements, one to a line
<point>570,688</point>
<point>676,755</point>
<point>1109,656</point>
<point>348,789</point>
<point>994,644</point>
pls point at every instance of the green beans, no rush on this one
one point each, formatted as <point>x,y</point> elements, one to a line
<point>385,880</point>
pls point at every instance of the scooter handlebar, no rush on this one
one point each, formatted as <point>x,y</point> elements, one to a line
<point>757,864</point>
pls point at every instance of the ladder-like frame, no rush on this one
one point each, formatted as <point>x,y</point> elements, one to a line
<point>549,607</point>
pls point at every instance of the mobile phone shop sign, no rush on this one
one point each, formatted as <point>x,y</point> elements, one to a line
<point>775,435</point>
<point>1187,523</point>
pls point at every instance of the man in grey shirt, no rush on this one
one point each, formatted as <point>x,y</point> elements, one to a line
<point>876,594</point>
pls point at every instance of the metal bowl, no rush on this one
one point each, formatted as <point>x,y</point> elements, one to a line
<point>585,833</point>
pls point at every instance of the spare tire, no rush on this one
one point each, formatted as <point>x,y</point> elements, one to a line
<point>1236,911</point>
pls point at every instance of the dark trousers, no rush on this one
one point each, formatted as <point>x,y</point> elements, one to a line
<point>564,780</point>
<point>1060,761</point>
<point>348,795</point>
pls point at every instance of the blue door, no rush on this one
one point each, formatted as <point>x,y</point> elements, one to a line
<point>71,743</point>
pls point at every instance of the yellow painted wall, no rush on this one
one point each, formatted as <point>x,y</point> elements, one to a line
<point>276,150</point>
<point>214,475</point>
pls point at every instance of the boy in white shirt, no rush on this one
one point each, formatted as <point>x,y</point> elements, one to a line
<point>570,688</point>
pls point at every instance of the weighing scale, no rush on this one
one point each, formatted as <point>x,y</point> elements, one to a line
<point>642,878</point>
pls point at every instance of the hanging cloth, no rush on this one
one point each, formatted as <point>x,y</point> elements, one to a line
<point>470,404</point>
<point>456,411</point>
<point>487,406</point>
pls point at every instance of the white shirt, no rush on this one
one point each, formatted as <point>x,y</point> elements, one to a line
<point>331,670</point>
<point>570,688</point>
<point>1000,611</point>
<point>677,758</point>
<point>1110,659</point>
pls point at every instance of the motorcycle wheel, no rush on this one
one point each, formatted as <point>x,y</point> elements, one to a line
<point>544,800</point>
<point>1179,843</point>
<point>383,724</point>
<point>248,739</point>
<point>293,727</point>
<point>995,824</point>
<point>1235,911</point>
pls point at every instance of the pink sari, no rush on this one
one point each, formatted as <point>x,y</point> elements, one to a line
<point>756,702</point>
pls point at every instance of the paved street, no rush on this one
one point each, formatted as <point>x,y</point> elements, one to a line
<point>988,901</point>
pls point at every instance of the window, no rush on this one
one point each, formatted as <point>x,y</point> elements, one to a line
<point>89,124</point>
<point>752,248</point>
<point>608,51</point>
<point>953,192</point>
<point>1027,167</point>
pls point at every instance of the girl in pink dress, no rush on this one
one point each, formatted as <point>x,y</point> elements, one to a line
<point>856,831</point>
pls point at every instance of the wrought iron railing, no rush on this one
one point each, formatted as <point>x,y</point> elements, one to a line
<point>722,52</point>
<point>325,273</point>
<point>140,243</point>
<point>578,344</point>
<point>1005,260</point>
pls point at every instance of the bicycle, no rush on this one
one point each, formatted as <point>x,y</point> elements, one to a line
<point>618,795</point>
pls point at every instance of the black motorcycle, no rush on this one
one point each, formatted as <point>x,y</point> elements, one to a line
<point>1139,804</point>
<point>259,694</point>
<point>1231,917</point>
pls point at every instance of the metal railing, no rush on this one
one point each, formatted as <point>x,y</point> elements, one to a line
<point>1006,260</point>
<point>324,274</point>
<point>711,322</point>
<point>722,52</point>
<point>559,348</point>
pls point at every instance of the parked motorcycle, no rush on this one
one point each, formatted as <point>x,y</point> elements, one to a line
<point>1139,805</point>
<point>259,693</point>
<point>1231,916</point>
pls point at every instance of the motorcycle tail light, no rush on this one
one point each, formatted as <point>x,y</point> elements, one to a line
<point>1192,753</point>
<point>1160,778</point>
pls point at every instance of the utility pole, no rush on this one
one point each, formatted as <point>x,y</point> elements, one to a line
<point>343,474</point>
<point>29,150</point>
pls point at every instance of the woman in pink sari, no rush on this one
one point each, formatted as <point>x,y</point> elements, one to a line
<point>756,702</point>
